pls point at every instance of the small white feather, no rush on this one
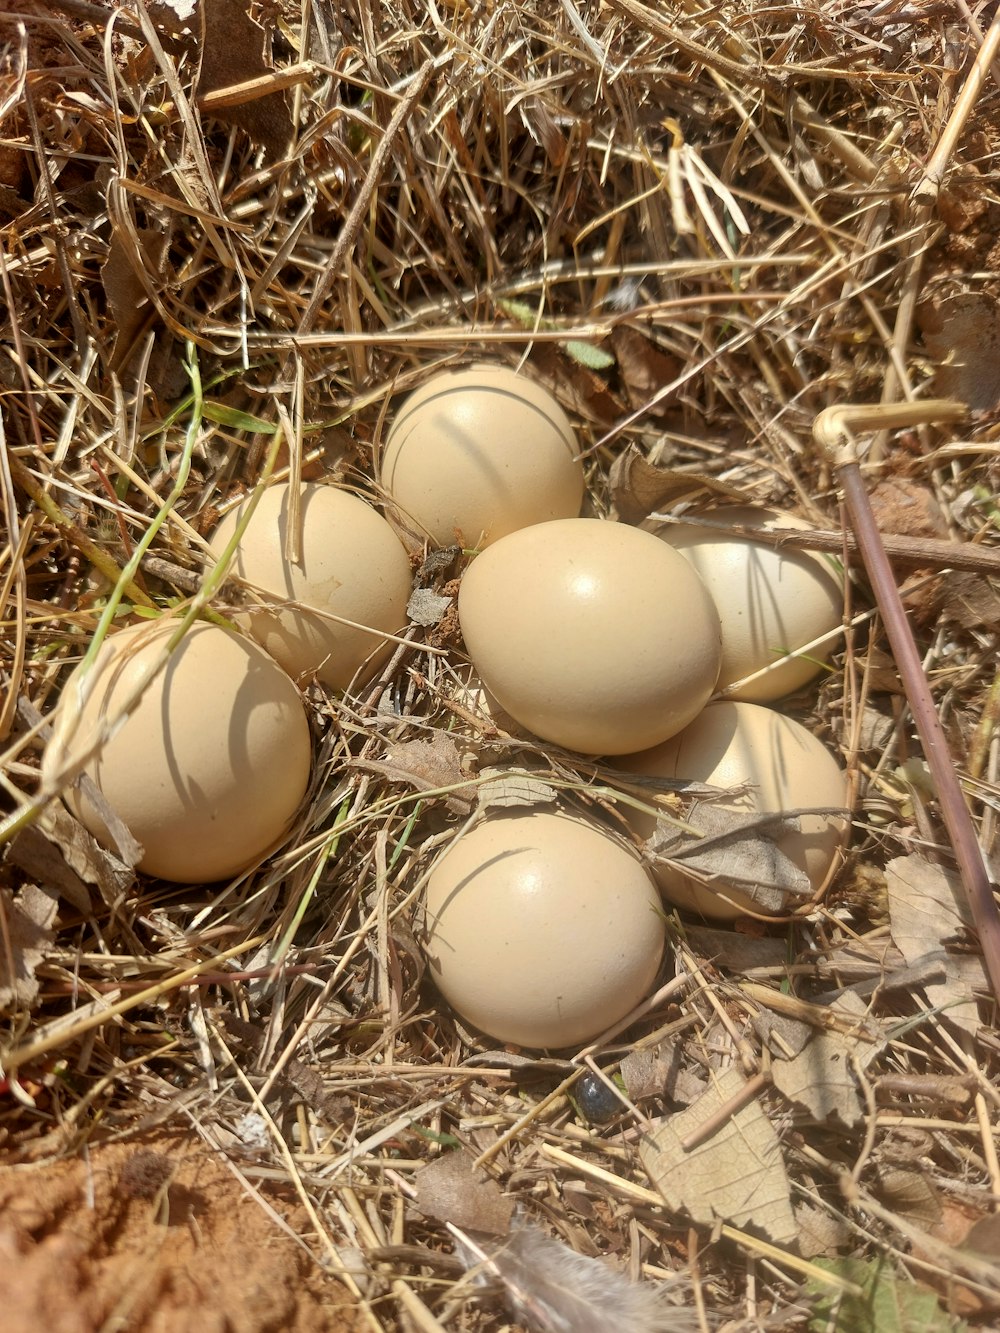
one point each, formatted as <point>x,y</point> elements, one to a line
<point>552,1289</point>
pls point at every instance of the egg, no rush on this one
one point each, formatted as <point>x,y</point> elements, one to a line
<point>782,765</point>
<point>542,929</point>
<point>337,603</point>
<point>475,454</point>
<point>591,634</point>
<point>208,768</point>
<point>772,601</point>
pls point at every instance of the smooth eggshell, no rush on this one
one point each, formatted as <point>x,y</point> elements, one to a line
<point>477,453</point>
<point>771,600</point>
<point>353,568</point>
<point>542,929</point>
<point>212,763</point>
<point>785,768</point>
<point>593,635</point>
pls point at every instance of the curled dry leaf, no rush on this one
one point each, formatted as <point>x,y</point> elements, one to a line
<point>639,487</point>
<point>736,1176</point>
<point>737,849</point>
<point>57,851</point>
<point>428,765</point>
<point>820,1079</point>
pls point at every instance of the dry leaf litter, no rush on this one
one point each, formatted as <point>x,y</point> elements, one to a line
<point>225,226</point>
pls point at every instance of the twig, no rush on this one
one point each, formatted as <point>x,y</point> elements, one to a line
<point>833,432</point>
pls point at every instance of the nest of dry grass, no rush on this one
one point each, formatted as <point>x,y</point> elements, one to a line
<point>699,227</point>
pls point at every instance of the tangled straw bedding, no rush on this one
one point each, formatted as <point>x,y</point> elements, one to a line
<point>699,227</point>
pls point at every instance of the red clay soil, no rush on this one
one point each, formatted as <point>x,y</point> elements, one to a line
<point>155,1236</point>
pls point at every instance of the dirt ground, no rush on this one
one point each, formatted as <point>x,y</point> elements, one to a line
<point>156,1235</point>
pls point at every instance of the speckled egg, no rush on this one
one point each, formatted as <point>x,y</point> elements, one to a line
<point>327,614</point>
<point>542,929</point>
<point>591,634</point>
<point>210,765</point>
<point>772,601</point>
<point>783,767</point>
<point>475,454</point>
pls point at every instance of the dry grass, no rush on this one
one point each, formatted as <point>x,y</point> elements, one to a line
<point>720,198</point>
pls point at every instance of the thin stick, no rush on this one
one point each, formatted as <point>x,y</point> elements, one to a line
<point>833,432</point>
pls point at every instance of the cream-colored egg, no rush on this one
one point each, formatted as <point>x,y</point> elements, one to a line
<point>772,601</point>
<point>591,634</point>
<point>783,768</point>
<point>477,453</point>
<point>542,929</point>
<point>210,765</point>
<point>339,601</point>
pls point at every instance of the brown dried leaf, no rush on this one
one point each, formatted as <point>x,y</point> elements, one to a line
<point>124,288</point>
<point>962,333</point>
<point>820,1233</point>
<point>909,1192</point>
<point>736,1176</point>
<point>638,487</point>
<point>644,368</point>
<point>57,851</point>
<point>660,1073</point>
<point>819,1078</point>
<point>235,50</point>
<point>450,1190</point>
<point>28,919</point>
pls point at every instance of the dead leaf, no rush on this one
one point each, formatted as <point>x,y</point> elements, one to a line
<point>125,290</point>
<point>235,50</point>
<point>962,333</point>
<point>927,909</point>
<point>644,368</point>
<point>737,1176</point>
<point>28,919</point>
<point>909,1192</point>
<point>660,1073</point>
<point>736,952</point>
<point>505,790</point>
<point>737,849</point>
<point>639,488</point>
<point>57,851</point>
<point>927,906</point>
<point>820,1233</point>
<point>450,1190</point>
<point>428,765</point>
<point>971,600</point>
<point>819,1078</point>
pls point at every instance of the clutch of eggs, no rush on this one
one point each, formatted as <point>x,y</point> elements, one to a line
<point>779,765</point>
<point>593,635</point>
<point>772,600</point>
<point>542,929</point>
<point>475,454</point>
<point>207,769</point>
<point>328,613</point>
